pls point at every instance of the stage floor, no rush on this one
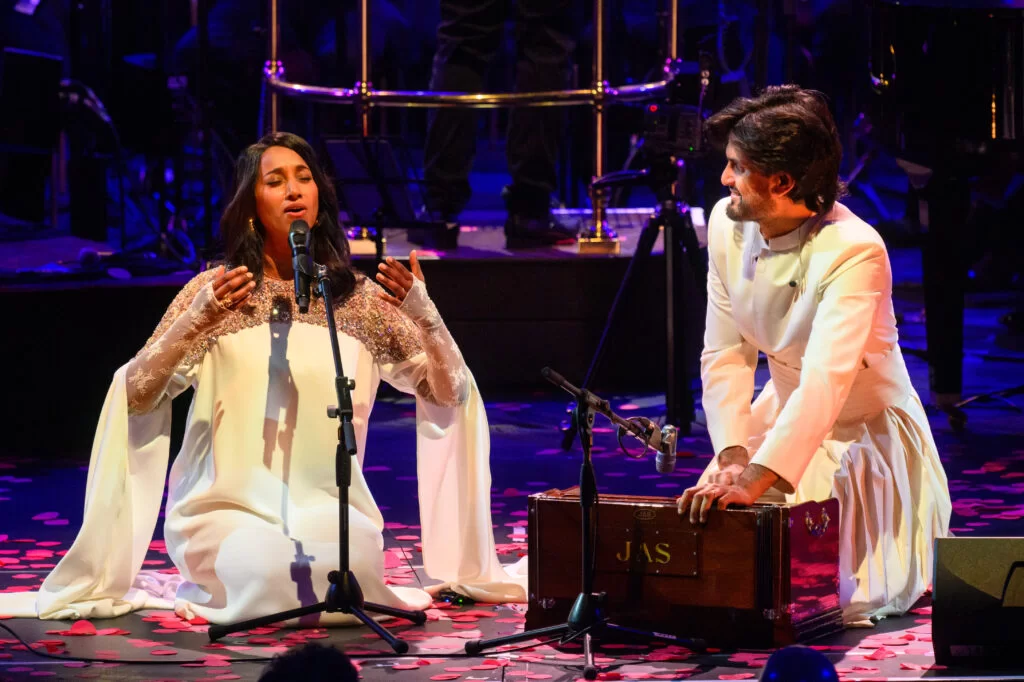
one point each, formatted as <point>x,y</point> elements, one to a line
<point>41,505</point>
<point>41,501</point>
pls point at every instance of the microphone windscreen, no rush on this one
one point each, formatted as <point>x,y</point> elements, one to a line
<point>298,234</point>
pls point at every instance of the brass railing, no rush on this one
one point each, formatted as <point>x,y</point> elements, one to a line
<point>599,238</point>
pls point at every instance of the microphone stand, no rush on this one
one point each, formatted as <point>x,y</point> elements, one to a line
<point>344,594</point>
<point>587,613</point>
<point>665,440</point>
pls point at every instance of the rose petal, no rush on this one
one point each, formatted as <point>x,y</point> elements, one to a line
<point>880,654</point>
<point>82,628</point>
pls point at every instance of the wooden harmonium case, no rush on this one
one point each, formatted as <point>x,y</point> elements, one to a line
<point>758,577</point>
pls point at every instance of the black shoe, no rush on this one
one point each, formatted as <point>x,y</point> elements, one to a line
<point>522,232</point>
<point>443,239</point>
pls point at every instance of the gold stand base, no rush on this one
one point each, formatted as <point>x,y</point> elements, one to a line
<point>593,242</point>
<point>365,247</point>
<point>601,246</point>
<point>362,241</point>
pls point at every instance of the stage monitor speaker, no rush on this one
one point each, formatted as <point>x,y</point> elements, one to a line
<point>29,99</point>
<point>978,601</point>
<point>29,129</point>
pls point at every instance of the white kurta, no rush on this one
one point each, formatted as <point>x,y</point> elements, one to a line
<point>252,505</point>
<point>839,417</point>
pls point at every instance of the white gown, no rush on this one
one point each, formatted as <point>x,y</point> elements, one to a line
<point>252,506</point>
<point>839,417</point>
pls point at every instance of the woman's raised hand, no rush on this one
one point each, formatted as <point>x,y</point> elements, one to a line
<point>232,287</point>
<point>398,278</point>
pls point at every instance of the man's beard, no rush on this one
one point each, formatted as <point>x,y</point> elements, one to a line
<point>734,211</point>
<point>749,209</point>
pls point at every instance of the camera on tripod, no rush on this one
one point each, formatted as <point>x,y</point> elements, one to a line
<point>673,131</point>
<point>673,128</point>
<point>673,134</point>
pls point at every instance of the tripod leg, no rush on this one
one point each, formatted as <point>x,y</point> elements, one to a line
<point>397,645</point>
<point>687,236</point>
<point>693,643</point>
<point>687,295</point>
<point>476,646</point>
<point>218,631</point>
<point>644,245</point>
<point>589,669</point>
<point>417,617</point>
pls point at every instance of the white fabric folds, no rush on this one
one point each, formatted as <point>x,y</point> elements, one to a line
<point>252,506</point>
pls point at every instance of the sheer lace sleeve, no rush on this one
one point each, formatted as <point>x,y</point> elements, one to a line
<point>168,351</point>
<point>446,382</point>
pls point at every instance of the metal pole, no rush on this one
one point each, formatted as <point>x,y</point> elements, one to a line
<point>364,65</point>
<point>206,129</point>
<point>274,64</point>
<point>597,200</point>
<point>599,90</point>
<point>598,238</point>
<point>362,243</point>
<point>673,30</point>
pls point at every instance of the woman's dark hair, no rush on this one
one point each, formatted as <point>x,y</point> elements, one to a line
<point>790,130</point>
<point>244,246</point>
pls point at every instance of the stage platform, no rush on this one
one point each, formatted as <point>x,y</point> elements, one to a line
<point>41,507</point>
<point>512,313</point>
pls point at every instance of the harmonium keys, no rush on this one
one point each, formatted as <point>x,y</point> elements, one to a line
<point>759,577</point>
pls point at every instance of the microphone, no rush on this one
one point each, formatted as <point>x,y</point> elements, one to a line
<point>663,440</point>
<point>665,460</point>
<point>302,262</point>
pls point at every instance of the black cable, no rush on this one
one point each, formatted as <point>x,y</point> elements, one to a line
<point>458,654</point>
<point>408,561</point>
<point>86,659</point>
<point>647,442</point>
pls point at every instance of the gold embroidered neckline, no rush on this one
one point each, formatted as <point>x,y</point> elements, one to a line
<point>387,334</point>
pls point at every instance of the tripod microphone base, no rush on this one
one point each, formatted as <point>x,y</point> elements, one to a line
<point>478,646</point>
<point>343,596</point>
<point>585,612</point>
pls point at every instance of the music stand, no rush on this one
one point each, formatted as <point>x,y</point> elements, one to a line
<point>375,187</point>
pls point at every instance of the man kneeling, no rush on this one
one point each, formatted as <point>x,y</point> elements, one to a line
<point>797,276</point>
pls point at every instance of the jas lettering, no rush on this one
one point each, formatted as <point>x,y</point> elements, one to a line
<point>642,553</point>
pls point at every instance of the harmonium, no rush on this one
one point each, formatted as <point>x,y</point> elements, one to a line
<point>758,577</point>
